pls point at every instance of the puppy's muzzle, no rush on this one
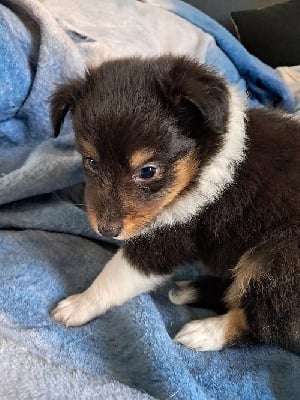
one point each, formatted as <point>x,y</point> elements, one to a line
<point>110,231</point>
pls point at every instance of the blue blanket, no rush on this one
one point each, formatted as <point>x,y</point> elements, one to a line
<point>48,251</point>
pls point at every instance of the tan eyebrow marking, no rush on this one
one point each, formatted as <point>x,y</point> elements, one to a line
<point>140,157</point>
<point>87,148</point>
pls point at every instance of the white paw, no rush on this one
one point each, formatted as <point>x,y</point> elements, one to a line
<point>75,310</point>
<point>203,335</point>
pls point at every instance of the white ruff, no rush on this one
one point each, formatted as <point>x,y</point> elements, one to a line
<point>218,174</point>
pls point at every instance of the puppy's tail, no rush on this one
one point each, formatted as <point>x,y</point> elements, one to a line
<point>206,292</point>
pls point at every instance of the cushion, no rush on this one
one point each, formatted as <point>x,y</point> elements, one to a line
<point>271,34</point>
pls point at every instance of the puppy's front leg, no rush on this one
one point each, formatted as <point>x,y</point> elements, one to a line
<point>118,281</point>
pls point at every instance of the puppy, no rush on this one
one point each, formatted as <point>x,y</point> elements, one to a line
<point>180,170</point>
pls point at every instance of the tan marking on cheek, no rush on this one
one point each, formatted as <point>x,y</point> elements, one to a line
<point>185,170</point>
<point>236,324</point>
<point>144,213</point>
<point>92,219</point>
<point>140,157</point>
<point>249,268</point>
<point>135,223</point>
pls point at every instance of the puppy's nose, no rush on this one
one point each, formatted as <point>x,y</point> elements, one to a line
<point>110,231</point>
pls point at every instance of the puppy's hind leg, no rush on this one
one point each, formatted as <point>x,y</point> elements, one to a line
<point>267,281</point>
<point>263,299</point>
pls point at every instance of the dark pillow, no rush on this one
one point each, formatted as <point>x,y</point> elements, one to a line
<point>271,34</point>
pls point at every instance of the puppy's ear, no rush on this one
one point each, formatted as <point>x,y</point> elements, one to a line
<point>197,95</point>
<point>63,100</point>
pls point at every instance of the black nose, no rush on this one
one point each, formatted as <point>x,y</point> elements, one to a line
<point>110,231</point>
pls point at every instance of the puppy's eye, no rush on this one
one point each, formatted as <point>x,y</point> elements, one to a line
<point>90,164</point>
<point>146,173</point>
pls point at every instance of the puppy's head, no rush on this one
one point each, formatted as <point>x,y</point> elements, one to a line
<point>145,129</point>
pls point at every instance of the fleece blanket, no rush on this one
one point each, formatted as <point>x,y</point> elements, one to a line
<point>48,251</point>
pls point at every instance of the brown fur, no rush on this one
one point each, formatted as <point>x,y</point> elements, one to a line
<point>236,325</point>
<point>92,219</point>
<point>249,268</point>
